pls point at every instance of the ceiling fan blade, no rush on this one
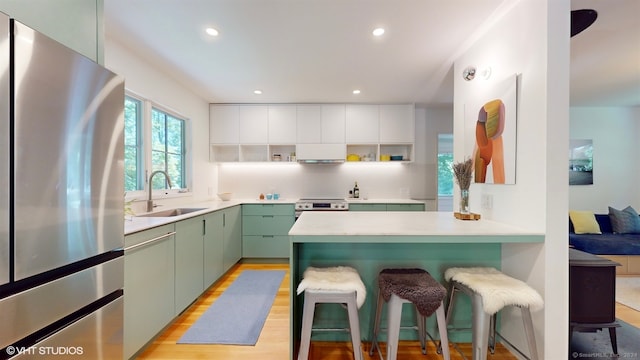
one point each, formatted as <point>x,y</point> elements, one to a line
<point>582,19</point>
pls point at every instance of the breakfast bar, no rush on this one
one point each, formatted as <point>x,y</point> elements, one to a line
<point>372,241</point>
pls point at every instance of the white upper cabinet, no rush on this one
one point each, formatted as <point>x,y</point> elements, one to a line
<point>362,124</point>
<point>397,124</point>
<point>282,124</point>
<point>223,124</point>
<point>253,124</point>
<point>309,124</point>
<point>333,124</point>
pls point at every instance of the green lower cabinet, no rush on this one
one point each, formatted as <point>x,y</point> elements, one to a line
<point>213,247</point>
<point>405,207</point>
<point>265,229</point>
<point>189,261</point>
<point>148,286</point>
<point>367,207</point>
<point>265,246</point>
<point>386,207</point>
<point>232,244</point>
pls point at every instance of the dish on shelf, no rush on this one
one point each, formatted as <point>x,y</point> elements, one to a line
<point>353,157</point>
<point>385,157</point>
<point>396,157</point>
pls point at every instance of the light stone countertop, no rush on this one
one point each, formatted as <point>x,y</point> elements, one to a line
<point>139,223</point>
<point>411,226</point>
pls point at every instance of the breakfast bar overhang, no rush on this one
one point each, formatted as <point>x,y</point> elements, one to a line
<point>372,241</point>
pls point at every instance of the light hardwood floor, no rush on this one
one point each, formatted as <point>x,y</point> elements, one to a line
<point>273,343</point>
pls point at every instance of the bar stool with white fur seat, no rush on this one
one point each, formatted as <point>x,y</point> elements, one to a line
<point>415,286</point>
<point>490,291</point>
<point>338,285</point>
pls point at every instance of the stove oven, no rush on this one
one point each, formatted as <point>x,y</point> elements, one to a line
<point>303,205</point>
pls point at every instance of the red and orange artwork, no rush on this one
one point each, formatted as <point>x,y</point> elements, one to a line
<point>489,147</point>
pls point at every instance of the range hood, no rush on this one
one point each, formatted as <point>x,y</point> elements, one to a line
<point>321,153</point>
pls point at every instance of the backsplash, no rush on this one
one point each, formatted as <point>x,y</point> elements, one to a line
<point>292,180</point>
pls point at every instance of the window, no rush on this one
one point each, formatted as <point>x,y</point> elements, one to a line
<point>133,153</point>
<point>154,139</point>
<point>445,172</point>
<point>167,148</point>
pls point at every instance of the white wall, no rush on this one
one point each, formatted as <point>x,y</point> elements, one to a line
<point>416,180</point>
<point>615,132</point>
<point>155,85</point>
<point>526,42</point>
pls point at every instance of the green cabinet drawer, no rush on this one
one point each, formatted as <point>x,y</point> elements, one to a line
<point>268,209</point>
<point>367,207</point>
<point>405,207</point>
<point>266,225</point>
<point>265,246</point>
<point>141,236</point>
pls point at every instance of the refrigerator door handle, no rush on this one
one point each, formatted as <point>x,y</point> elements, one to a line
<point>144,243</point>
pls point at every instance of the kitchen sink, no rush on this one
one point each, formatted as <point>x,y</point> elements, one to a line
<point>172,212</point>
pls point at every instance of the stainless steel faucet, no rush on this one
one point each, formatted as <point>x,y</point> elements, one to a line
<point>149,200</point>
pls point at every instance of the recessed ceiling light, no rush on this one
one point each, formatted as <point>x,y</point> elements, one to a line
<point>356,92</point>
<point>257,92</point>
<point>211,31</point>
<point>378,32</point>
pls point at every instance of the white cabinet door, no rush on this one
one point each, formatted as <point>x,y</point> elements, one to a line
<point>362,124</point>
<point>253,124</point>
<point>223,124</point>
<point>309,124</point>
<point>333,124</point>
<point>282,124</point>
<point>397,123</point>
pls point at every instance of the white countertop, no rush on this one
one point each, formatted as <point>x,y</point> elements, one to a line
<point>389,226</point>
<point>139,223</point>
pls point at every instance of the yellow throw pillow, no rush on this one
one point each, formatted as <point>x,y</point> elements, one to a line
<point>584,222</point>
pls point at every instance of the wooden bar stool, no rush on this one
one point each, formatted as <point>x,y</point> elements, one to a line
<point>490,291</point>
<point>416,286</point>
<point>337,285</point>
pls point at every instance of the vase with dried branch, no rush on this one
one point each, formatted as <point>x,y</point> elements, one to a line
<point>463,171</point>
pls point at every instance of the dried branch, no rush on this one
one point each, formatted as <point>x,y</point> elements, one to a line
<point>463,172</point>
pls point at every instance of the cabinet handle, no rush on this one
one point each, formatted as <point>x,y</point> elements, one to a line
<point>267,216</point>
<point>267,236</point>
<point>204,227</point>
<point>224,219</point>
<point>128,248</point>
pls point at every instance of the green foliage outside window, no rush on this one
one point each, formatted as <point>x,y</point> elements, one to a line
<point>133,179</point>
<point>445,174</point>
<point>167,148</point>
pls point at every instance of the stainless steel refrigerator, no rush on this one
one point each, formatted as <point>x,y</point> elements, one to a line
<point>61,201</point>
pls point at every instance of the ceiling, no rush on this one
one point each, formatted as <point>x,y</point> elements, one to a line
<point>299,51</point>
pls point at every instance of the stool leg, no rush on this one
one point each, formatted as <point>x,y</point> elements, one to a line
<point>528,330</point>
<point>614,341</point>
<point>448,310</point>
<point>422,331</point>
<point>479,328</point>
<point>376,324</point>
<point>442,329</point>
<point>394,314</point>
<point>354,327</point>
<point>307,323</point>
<point>492,333</point>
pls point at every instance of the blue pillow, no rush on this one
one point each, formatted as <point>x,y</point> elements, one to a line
<point>625,221</point>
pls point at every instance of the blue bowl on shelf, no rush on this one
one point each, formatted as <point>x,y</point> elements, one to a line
<point>396,157</point>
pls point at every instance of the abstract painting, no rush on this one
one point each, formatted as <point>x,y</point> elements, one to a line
<point>490,122</point>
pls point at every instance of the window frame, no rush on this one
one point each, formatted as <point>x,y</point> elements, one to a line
<point>146,156</point>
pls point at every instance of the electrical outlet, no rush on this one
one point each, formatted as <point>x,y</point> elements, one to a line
<point>487,201</point>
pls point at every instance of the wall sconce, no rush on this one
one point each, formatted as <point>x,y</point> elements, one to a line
<point>470,73</point>
<point>485,73</point>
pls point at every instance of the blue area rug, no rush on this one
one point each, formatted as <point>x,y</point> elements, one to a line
<point>238,315</point>
<point>597,345</point>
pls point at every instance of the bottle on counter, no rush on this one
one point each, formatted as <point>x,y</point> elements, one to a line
<point>356,191</point>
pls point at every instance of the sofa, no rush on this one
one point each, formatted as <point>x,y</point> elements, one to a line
<point>622,248</point>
